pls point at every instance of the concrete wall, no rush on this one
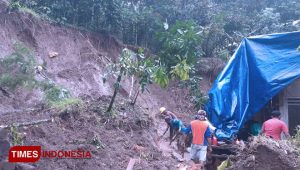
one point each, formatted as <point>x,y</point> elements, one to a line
<point>289,96</point>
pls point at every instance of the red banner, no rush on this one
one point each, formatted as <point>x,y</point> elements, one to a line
<point>24,153</point>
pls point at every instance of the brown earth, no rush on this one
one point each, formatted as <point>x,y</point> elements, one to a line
<point>111,141</point>
<point>78,67</point>
<point>266,154</point>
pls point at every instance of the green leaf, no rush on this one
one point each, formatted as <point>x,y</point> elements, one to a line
<point>182,70</point>
<point>161,78</point>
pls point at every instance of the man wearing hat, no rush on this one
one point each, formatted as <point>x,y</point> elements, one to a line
<point>173,123</point>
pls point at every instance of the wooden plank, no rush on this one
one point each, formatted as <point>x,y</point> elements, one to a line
<point>223,156</point>
<point>28,123</point>
<point>131,164</point>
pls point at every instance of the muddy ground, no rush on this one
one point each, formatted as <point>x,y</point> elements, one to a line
<point>79,66</point>
<point>112,140</point>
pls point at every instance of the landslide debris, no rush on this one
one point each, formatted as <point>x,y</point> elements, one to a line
<point>113,139</point>
<point>264,153</point>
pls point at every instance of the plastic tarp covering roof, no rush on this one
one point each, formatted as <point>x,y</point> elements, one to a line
<point>260,68</point>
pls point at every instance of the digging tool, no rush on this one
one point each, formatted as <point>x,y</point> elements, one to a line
<point>175,136</point>
<point>164,133</point>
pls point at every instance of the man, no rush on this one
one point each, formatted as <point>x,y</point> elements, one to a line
<point>274,127</point>
<point>201,133</point>
<point>165,112</point>
<point>175,126</point>
<point>173,123</point>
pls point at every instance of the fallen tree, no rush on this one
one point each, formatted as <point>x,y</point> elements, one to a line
<point>27,123</point>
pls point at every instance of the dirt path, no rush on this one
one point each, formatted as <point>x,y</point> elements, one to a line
<point>170,150</point>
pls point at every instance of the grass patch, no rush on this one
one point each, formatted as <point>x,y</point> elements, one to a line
<point>16,136</point>
<point>63,104</point>
<point>17,69</point>
<point>296,138</point>
<point>58,97</point>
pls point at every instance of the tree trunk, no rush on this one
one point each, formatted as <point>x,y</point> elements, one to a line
<point>117,87</point>
<point>131,87</point>
<point>135,98</point>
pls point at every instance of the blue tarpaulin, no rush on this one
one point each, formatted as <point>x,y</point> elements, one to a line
<point>259,69</point>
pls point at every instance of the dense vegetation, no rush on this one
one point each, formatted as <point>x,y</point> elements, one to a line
<point>138,21</point>
<point>178,32</point>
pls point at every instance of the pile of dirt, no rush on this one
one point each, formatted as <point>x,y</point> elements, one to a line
<point>112,139</point>
<point>266,154</point>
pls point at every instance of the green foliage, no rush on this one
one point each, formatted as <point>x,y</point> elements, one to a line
<point>65,103</point>
<point>55,94</point>
<point>14,5</point>
<point>136,22</point>
<point>192,28</point>
<point>196,96</point>
<point>128,65</point>
<point>182,70</point>
<point>16,136</point>
<point>296,138</point>
<point>17,69</point>
<point>146,71</point>
<point>58,97</point>
<point>180,42</point>
<point>161,77</point>
<point>98,143</point>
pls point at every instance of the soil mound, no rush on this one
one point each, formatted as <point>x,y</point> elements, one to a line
<point>266,154</point>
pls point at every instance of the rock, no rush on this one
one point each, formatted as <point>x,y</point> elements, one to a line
<point>53,54</point>
<point>177,156</point>
<point>4,148</point>
<point>138,148</point>
<point>22,166</point>
<point>3,134</point>
<point>163,168</point>
<point>7,166</point>
<point>3,6</point>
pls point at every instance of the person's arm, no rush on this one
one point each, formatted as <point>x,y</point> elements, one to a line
<point>186,130</point>
<point>210,125</point>
<point>207,135</point>
<point>285,130</point>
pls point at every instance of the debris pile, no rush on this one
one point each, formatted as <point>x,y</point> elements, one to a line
<point>266,154</point>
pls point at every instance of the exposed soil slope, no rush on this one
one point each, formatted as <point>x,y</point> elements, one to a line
<point>111,141</point>
<point>82,57</point>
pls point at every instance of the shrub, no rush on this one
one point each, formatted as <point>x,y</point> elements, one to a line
<point>17,69</point>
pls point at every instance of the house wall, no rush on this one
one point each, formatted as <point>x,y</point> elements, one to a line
<point>290,97</point>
